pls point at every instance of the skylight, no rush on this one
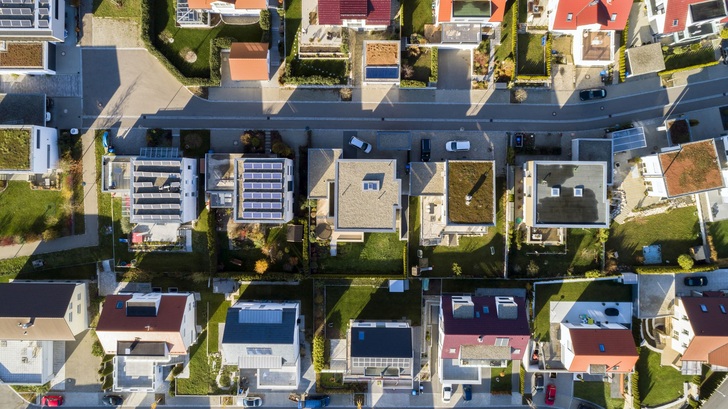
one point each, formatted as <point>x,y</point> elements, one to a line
<point>370,185</point>
<point>601,348</point>
<point>722,309</point>
<point>703,308</point>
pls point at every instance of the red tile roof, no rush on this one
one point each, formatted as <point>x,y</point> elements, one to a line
<point>677,10</point>
<point>590,12</point>
<point>168,318</point>
<point>376,12</point>
<point>239,4</point>
<point>460,331</point>
<point>497,11</point>
<point>618,345</point>
<point>249,61</point>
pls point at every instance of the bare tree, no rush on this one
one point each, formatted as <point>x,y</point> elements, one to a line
<point>408,71</point>
<point>520,95</point>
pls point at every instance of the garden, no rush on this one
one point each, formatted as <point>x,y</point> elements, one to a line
<point>195,143</point>
<point>598,393</point>
<point>676,231</point>
<point>657,384</point>
<point>501,382</point>
<point>532,55</point>
<point>685,56</point>
<point>579,255</point>
<point>417,63</point>
<point>256,248</point>
<point>416,14</point>
<point>505,66</point>
<point>573,291</point>
<point>718,236</point>
<point>380,253</point>
<point>28,214</point>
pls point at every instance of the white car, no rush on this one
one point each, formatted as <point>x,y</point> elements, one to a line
<point>446,392</point>
<point>358,143</point>
<point>48,116</point>
<point>457,146</point>
<point>252,402</point>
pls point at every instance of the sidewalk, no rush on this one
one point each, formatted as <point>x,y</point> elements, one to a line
<point>90,205</point>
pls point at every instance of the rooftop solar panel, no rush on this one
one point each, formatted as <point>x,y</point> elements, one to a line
<point>262,215</point>
<point>382,73</point>
<point>262,205</point>
<point>628,139</point>
<point>262,186</point>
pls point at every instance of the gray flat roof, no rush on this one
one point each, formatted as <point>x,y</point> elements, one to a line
<point>645,59</point>
<point>427,178</point>
<point>22,109</point>
<point>556,198</point>
<point>321,170</point>
<point>367,209</point>
<point>594,150</point>
<point>460,33</point>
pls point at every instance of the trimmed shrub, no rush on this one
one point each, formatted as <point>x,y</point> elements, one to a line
<point>673,269</point>
<point>412,84</point>
<point>685,261</point>
<point>434,65</point>
<point>212,241</point>
<point>636,390</point>
<point>693,67</point>
<point>264,21</point>
<point>318,353</point>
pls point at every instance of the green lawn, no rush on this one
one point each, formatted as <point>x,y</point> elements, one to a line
<point>573,291</point>
<point>14,149</point>
<point>473,254</point>
<point>504,50</point>
<point>689,58</point>
<point>195,39</point>
<point>658,384</point>
<point>372,303</point>
<point>676,231</point>
<point>719,232</point>
<point>379,253</point>
<point>27,213</point>
<point>326,68</point>
<point>531,54</point>
<point>293,24</point>
<point>417,13</point>
<point>598,393</point>
<point>201,380</point>
<point>501,384</point>
<point>583,248</point>
<point>118,8</point>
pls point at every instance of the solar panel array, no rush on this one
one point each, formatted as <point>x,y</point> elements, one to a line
<point>628,139</point>
<point>262,195</point>
<point>382,73</point>
<point>263,165</point>
<point>262,176</point>
<point>263,215</point>
<point>262,186</point>
<point>261,189</point>
<point>262,205</point>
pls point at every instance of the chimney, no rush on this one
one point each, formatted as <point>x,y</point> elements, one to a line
<point>463,307</point>
<point>506,308</point>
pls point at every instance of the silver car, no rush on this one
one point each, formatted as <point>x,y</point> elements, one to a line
<point>358,143</point>
<point>457,146</point>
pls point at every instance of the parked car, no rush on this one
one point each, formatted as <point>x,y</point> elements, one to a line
<point>252,402</point>
<point>425,150</point>
<point>550,394</point>
<point>106,139</point>
<point>446,392</point>
<point>319,401</point>
<point>52,400</point>
<point>593,93</point>
<point>48,116</point>
<point>538,382</point>
<point>611,312</point>
<point>112,400</point>
<point>696,281</point>
<point>358,143</point>
<point>457,146</point>
<point>467,392</point>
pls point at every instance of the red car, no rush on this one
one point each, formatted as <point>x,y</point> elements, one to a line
<point>52,400</point>
<point>550,394</point>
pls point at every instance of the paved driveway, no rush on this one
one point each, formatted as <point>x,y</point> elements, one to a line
<point>656,295</point>
<point>454,69</point>
<point>81,366</point>
<point>717,280</point>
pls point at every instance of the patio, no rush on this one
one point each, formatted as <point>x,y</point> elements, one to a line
<point>592,312</point>
<point>317,38</point>
<point>537,15</point>
<point>597,46</point>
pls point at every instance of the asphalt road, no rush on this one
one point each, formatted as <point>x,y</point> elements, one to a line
<point>719,399</point>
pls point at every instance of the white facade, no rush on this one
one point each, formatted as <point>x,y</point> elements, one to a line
<point>682,331</point>
<point>44,155</point>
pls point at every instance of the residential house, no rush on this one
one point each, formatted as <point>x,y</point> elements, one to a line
<point>681,21</point>
<point>259,190</point>
<point>192,13</point>
<point>489,13</point>
<point>600,349</point>
<point>382,351</point>
<point>159,195</point>
<point>699,327</point>
<point>565,194</point>
<point>356,14</point>
<point>355,196</point>
<point>249,62</point>
<point>478,333</point>
<point>262,340</point>
<point>594,25</point>
<point>28,31</point>
<point>457,197</point>
<point>685,169</point>
<point>36,320</point>
<point>42,151</point>
<point>146,332</point>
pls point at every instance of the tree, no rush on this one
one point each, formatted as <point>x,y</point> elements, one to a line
<point>520,95</point>
<point>408,71</point>
<point>261,266</point>
<point>456,269</point>
<point>686,262</point>
<point>264,20</point>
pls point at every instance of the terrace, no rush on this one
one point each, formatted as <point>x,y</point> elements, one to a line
<point>597,46</point>
<point>470,192</point>
<point>320,41</point>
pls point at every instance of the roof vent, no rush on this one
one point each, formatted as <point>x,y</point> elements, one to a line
<point>555,191</point>
<point>578,191</point>
<point>480,339</point>
<point>463,307</point>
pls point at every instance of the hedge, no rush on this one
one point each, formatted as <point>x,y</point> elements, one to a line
<point>312,80</point>
<point>318,353</point>
<point>636,401</point>
<point>434,65</point>
<point>711,383</point>
<point>522,379</point>
<point>514,37</point>
<point>264,21</point>
<point>692,67</point>
<point>622,65</point>
<point>212,240</point>
<point>412,84</point>
<point>306,247</point>
<point>673,269</point>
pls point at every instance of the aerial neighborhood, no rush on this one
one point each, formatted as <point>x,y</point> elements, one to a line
<point>360,204</point>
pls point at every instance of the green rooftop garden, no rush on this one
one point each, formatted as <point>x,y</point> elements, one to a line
<point>14,149</point>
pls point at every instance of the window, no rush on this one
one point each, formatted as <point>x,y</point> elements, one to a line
<point>119,305</point>
<point>675,334</point>
<point>37,139</point>
<point>189,167</point>
<point>452,350</point>
<point>569,16</point>
<point>685,332</point>
<point>78,297</point>
<point>501,342</point>
<point>485,309</point>
<point>674,23</point>
<point>370,185</point>
<point>78,309</point>
<point>722,309</point>
<point>70,316</point>
<point>614,16</point>
<point>703,308</point>
<point>259,351</point>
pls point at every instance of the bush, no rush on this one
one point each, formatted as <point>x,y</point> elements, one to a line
<point>412,84</point>
<point>522,379</point>
<point>434,65</point>
<point>212,241</point>
<point>592,274</point>
<point>264,21</point>
<point>457,270</point>
<point>225,381</point>
<point>97,349</point>
<point>673,269</point>
<point>261,266</point>
<point>685,261</point>
<point>318,353</point>
<point>622,65</point>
